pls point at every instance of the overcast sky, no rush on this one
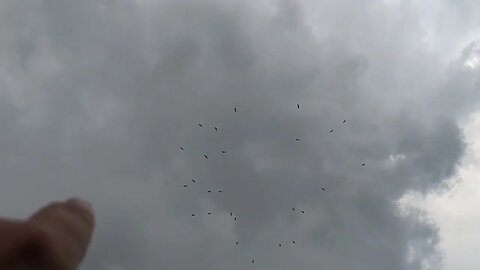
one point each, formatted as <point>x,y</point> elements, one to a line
<point>98,96</point>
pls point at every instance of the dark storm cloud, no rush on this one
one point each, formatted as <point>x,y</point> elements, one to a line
<point>98,96</point>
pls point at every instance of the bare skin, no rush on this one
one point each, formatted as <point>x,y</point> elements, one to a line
<point>56,237</point>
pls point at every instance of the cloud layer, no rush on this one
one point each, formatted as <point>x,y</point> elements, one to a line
<point>98,96</point>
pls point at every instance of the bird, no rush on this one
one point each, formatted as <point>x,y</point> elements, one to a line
<point>235,109</point>
<point>193,215</point>
<point>220,191</point>
<point>200,124</point>
<point>344,121</point>
<point>253,261</point>
<point>331,130</point>
<point>216,129</point>
<point>363,164</point>
<point>209,191</point>
<point>223,152</point>
<point>280,245</point>
<point>298,106</point>
<point>185,186</point>
<point>236,243</point>
<point>293,242</point>
<point>231,213</point>
<point>235,218</point>
<point>323,189</point>
<point>181,148</point>
<point>293,209</point>
<point>205,156</point>
<point>297,139</point>
<point>193,180</point>
<point>303,212</point>
<point>209,213</point>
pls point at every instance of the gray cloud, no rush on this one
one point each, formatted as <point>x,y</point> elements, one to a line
<point>98,96</point>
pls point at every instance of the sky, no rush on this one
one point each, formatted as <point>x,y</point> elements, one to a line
<point>98,96</point>
<point>454,212</point>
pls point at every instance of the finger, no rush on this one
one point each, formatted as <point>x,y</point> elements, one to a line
<point>73,214</point>
<point>70,226</point>
<point>62,221</point>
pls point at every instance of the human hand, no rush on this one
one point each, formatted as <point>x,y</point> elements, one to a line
<point>56,237</point>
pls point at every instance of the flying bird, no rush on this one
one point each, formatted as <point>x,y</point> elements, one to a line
<point>235,218</point>
<point>303,212</point>
<point>293,209</point>
<point>205,156</point>
<point>209,213</point>
<point>363,164</point>
<point>209,191</point>
<point>231,213</point>
<point>223,152</point>
<point>297,139</point>
<point>220,191</point>
<point>344,121</point>
<point>185,186</point>
<point>236,243</point>
<point>235,109</point>
<point>181,148</point>
<point>193,215</point>
<point>200,124</point>
<point>280,245</point>
<point>331,130</point>
<point>298,106</point>
<point>293,242</point>
<point>193,180</point>
<point>216,129</point>
<point>253,261</point>
<point>323,189</point>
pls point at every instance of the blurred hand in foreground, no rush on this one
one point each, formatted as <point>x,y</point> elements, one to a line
<point>56,237</point>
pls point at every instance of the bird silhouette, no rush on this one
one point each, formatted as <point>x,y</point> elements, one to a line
<point>344,121</point>
<point>209,191</point>
<point>363,164</point>
<point>200,124</point>
<point>298,106</point>
<point>185,186</point>
<point>220,191</point>
<point>193,215</point>
<point>297,139</point>
<point>323,189</point>
<point>223,152</point>
<point>236,243</point>
<point>331,130</point>
<point>253,261</point>
<point>231,213</point>
<point>235,109</point>
<point>280,245</point>
<point>235,218</point>
<point>193,180</point>
<point>181,148</point>
<point>303,212</point>
<point>205,156</point>
<point>293,242</point>
<point>216,129</point>
<point>209,213</point>
<point>293,209</point>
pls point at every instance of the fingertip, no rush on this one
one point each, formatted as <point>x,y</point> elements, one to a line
<point>84,207</point>
<point>81,203</point>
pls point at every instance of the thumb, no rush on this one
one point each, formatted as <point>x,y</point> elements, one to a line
<point>67,228</point>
